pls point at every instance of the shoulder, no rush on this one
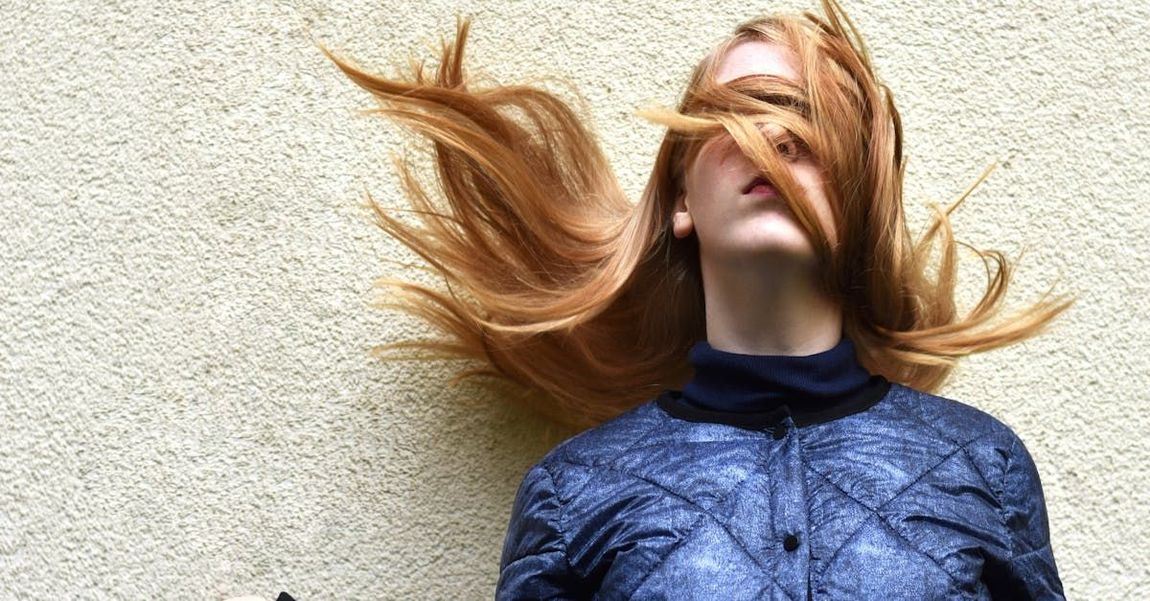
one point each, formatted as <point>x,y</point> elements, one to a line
<point>959,421</point>
<point>554,483</point>
<point>608,441</point>
<point>646,446</point>
<point>988,441</point>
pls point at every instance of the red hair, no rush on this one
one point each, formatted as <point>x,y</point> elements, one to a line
<point>587,304</point>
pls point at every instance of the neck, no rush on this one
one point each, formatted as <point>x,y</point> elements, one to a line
<point>768,308</point>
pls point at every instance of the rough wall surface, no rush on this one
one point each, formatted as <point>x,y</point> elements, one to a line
<point>187,402</point>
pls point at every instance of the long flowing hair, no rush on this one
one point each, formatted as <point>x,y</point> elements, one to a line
<point>586,303</point>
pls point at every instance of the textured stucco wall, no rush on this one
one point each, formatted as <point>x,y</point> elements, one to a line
<point>187,406</point>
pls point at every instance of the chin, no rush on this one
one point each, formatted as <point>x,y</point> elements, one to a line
<point>775,252</point>
<point>773,240</point>
<point>789,240</point>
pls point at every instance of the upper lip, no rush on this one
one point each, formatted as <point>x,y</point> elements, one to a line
<point>758,179</point>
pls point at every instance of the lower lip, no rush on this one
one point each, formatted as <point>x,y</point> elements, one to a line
<point>763,190</point>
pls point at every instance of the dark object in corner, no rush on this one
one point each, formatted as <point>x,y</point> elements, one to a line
<point>284,597</point>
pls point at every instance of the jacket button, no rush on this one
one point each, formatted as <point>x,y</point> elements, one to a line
<point>780,431</point>
<point>791,542</point>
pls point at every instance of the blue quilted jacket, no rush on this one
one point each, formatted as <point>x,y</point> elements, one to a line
<point>892,494</point>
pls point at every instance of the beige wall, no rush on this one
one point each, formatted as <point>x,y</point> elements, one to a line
<point>188,409</point>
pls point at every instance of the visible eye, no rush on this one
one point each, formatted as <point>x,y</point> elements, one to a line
<point>791,148</point>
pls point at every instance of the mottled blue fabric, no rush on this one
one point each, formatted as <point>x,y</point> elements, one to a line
<point>887,493</point>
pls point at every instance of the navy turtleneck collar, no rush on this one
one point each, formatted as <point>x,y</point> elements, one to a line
<point>759,390</point>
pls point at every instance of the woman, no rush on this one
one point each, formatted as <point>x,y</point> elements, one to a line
<point>754,343</point>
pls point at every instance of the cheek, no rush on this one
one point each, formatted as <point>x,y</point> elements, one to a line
<point>700,176</point>
<point>713,159</point>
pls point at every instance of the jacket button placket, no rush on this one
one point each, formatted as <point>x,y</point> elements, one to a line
<point>789,509</point>
<point>769,506</point>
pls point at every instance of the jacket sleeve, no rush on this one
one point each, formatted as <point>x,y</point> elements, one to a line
<point>534,562</point>
<point>1027,570</point>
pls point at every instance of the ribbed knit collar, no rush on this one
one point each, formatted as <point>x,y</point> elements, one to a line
<point>759,390</point>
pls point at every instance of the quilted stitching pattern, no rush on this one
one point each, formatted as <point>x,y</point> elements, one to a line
<point>916,497</point>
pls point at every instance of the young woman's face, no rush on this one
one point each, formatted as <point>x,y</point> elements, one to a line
<point>733,219</point>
